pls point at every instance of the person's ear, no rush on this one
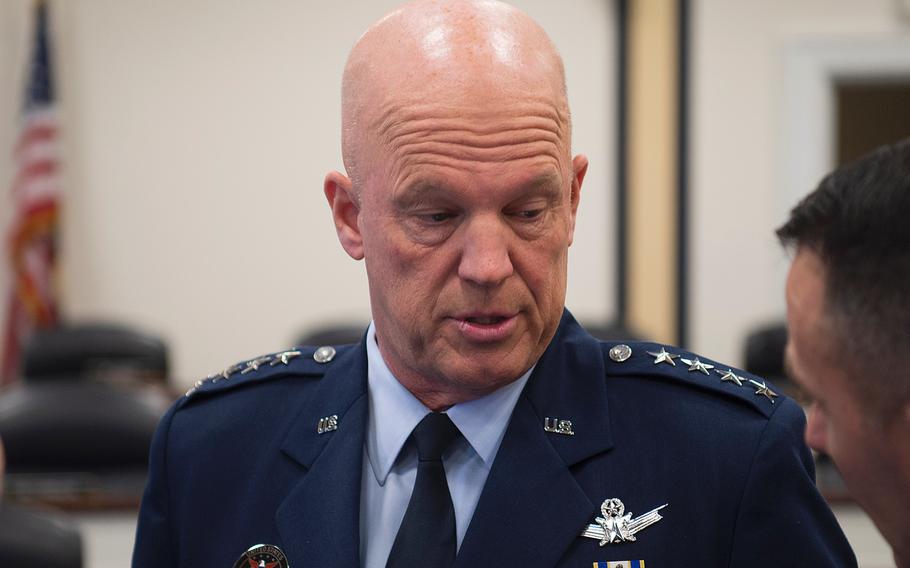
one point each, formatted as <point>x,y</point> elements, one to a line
<point>579,169</point>
<point>345,206</point>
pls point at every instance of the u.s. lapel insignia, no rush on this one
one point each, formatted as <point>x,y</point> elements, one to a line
<point>558,426</point>
<point>262,556</point>
<point>618,526</point>
<point>620,564</point>
<point>327,424</point>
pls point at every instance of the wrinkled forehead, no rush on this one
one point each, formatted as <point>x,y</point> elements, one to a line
<point>491,118</point>
<point>468,103</point>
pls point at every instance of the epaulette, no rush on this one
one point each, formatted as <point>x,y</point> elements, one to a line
<point>302,361</point>
<point>655,359</point>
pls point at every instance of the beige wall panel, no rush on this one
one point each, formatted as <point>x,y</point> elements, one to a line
<point>652,169</point>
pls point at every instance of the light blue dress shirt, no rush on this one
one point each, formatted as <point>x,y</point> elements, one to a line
<point>387,482</point>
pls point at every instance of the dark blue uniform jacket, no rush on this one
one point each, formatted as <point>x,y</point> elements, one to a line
<point>240,461</point>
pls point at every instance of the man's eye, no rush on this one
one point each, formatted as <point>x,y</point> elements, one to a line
<point>529,213</point>
<point>437,217</point>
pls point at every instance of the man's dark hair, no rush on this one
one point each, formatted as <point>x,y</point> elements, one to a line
<point>858,222</point>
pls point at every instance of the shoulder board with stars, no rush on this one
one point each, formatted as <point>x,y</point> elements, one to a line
<point>655,359</point>
<point>299,361</point>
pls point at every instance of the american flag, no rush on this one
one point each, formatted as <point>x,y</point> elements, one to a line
<point>35,199</point>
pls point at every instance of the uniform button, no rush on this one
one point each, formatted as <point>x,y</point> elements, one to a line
<point>324,354</point>
<point>620,353</point>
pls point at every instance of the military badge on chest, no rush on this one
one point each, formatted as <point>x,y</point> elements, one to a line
<point>262,556</point>
<point>617,526</point>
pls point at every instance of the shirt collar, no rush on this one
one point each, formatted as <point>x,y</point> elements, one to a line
<point>394,412</point>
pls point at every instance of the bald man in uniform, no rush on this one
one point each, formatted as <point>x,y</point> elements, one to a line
<point>476,424</point>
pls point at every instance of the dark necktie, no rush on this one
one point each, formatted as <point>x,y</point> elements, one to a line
<point>427,533</point>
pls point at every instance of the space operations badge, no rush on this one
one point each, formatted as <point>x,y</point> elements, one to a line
<point>262,556</point>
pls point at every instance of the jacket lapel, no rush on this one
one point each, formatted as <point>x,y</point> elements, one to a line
<point>319,519</point>
<point>532,508</point>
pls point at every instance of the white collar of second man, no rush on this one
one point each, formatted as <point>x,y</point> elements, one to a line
<point>394,412</point>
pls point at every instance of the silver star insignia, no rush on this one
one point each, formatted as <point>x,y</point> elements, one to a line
<point>284,357</point>
<point>197,385</point>
<point>729,375</point>
<point>254,364</point>
<point>663,357</point>
<point>697,365</point>
<point>224,374</point>
<point>762,389</point>
<point>614,523</point>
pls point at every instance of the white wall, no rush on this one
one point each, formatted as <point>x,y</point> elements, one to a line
<point>196,137</point>
<point>740,53</point>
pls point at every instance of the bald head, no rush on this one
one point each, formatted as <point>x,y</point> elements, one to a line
<point>468,55</point>
<point>461,194</point>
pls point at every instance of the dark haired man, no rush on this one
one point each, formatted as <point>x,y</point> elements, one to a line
<point>848,309</point>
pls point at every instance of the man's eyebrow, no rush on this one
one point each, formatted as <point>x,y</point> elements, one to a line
<point>418,193</point>
<point>547,186</point>
<point>423,191</point>
<point>546,181</point>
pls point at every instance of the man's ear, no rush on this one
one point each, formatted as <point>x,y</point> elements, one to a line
<point>579,169</point>
<point>345,211</point>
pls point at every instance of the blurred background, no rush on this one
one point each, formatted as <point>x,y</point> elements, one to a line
<point>161,165</point>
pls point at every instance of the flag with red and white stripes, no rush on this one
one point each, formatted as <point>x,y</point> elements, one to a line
<point>35,205</point>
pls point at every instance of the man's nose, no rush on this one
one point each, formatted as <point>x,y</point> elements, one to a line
<point>816,430</point>
<point>485,259</point>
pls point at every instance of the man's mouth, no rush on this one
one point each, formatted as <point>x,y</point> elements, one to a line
<point>485,320</point>
<point>486,328</point>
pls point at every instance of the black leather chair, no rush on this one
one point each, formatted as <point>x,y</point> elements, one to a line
<point>764,349</point>
<point>77,350</point>
<point>76,426</point>
<point>30,539</point>
<point>764,356</point>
